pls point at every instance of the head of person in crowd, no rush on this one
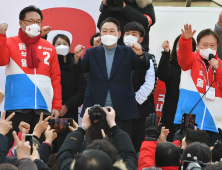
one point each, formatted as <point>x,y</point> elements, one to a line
<point>173,54</point>
<point>92,159</point>
<point>106,147</point>
<point>133,33</point>
<point>62,44</point>
<point>207,43</point>
<point>30,21</point>
<point>197,152</point>
<point>7,166</point>
<point>196,136</point>
<point>92,38</point>
<point>110,32</point>
<point>167,154</point>
<point>52,161</point>
<point>217,152</point>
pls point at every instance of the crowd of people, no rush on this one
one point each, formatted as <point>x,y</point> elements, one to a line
<point>114,81</point>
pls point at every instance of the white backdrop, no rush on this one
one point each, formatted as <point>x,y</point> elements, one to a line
<point>169,20</point>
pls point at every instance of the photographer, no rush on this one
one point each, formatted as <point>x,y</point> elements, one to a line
<point>141,11</point>
<point>120,139</point>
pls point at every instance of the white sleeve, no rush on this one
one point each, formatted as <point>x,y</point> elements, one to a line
<point>147,87</point>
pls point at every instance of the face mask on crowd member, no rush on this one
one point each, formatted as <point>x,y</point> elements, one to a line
<point>62,44</point>
<point>207,43</point>
<point>133,33</point>
<point>110,32</point>
<point>31,24</point>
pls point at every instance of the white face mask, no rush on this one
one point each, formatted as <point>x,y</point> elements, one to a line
<point>109,40</point>
<point>130,40</point>
<point>204,53</point>
<point>32,30</point>
<point>62,50</point>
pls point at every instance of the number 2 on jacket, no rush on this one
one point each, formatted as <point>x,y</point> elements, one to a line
<point>47,57</point>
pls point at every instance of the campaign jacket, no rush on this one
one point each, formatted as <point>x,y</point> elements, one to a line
<point>30,88</point>
<point>147,156</point>
<point>194,79</point>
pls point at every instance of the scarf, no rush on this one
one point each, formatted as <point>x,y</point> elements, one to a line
<point>32,59</point>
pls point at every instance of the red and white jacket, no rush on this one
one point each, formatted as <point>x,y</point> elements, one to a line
<point>195,78</point>
<point>30,88</point>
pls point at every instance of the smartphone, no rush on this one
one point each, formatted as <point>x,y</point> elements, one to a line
<point>61,124</point>
<point>188,121</point>
<point>28,137</point>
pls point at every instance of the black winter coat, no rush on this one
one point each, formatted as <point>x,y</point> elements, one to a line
<point>138,79</point>
<point>169,72</point>
<point>132,12</point>
<point>73,141</point>
<point>73,86</point>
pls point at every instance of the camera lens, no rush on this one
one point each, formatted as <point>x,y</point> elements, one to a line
<point>115,3</point>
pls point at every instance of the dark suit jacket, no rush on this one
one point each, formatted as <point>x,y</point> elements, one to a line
<point>119,84</point>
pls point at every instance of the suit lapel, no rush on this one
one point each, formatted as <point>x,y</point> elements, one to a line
<point>100,56</point>
<point>119,54</point>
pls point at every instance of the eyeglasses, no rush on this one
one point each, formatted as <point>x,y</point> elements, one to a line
<point>33,22</point>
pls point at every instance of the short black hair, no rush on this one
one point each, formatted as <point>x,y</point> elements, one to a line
<point>113,20</point>
<point>197,136</point>
<point>105,146</point>
<point>167,154</point>
<point>93,159</point>
<point>7,166</point>
<point>199,150</point>
<point>28,9</point>
<point>207,32</point>
<point>135,26</point>
<point>92,38</point>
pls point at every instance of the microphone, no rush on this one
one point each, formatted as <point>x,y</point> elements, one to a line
<point>214,69</point>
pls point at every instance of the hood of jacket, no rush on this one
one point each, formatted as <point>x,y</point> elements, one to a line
<point>143,3</point>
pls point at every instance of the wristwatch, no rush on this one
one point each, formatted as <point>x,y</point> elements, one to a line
<point>83,127</point>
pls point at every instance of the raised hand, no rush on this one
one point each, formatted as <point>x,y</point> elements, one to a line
<point>3,28</point>
<point>188,32</point>
<point>166,46</point>
<point>46,30</point>
<point>78,52</point>
<point>86,122</point>
<point>23,147</point>
<point>35,154</point>
<point>50,135</point>
<point>41,126</point>
<point>6,124</point>
<point>97,41</point>
<point>137,48</point>
<point>24,125</point>
<point>163,135</point>
<point>152,128</point>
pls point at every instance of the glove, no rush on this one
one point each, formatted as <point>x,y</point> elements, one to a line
<point>152,129</point>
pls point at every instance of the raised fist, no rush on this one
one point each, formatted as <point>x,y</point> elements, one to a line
<point>137,48</point>
<point>79,50</point>
<point>3,28</point>
<point>46,30</point>
<point>166,46</point>
<point>97,41</point>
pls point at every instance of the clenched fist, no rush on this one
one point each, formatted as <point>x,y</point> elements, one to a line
<point>46,30</point>
<point>97,41</point>
<point>78,52</point>
<point>166,46</point>
<point>3,28</point>
<point>137,48</point>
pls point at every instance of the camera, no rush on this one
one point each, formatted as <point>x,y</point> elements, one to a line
<point>96,112</point>
<point>115,5</point>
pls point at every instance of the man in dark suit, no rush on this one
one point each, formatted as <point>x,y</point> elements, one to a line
<point>110,83</point>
